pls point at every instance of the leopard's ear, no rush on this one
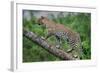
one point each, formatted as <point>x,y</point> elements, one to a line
<point>42,17</point>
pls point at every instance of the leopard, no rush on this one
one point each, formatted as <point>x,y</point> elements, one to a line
<point>60,31</point>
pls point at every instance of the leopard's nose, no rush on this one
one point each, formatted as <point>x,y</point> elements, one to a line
<point>39,24</point>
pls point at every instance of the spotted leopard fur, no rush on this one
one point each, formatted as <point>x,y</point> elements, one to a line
<point>62,32</point>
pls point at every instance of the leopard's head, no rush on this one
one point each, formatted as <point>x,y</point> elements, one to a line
<point>42,20</point>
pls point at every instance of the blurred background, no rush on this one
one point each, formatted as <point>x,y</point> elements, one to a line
<point>79,22</point>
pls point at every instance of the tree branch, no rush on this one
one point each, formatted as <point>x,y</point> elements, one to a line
<point>50,48</point>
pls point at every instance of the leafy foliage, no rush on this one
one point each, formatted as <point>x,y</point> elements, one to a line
<point>80,22</point>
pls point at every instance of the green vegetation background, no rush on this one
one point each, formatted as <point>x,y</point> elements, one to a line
<point>81,23</point>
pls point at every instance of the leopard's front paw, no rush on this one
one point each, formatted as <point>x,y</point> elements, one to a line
<point>43,38</point>
<point>58,46</point>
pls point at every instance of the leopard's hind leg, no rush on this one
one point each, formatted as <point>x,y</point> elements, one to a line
<point>58,42</point>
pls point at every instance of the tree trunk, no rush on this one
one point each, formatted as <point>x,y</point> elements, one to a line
<point>50,48</point>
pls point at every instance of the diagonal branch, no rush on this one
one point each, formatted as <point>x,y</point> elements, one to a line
<point>50,48</point>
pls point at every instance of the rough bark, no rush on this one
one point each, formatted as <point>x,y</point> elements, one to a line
<point>50,48</point>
